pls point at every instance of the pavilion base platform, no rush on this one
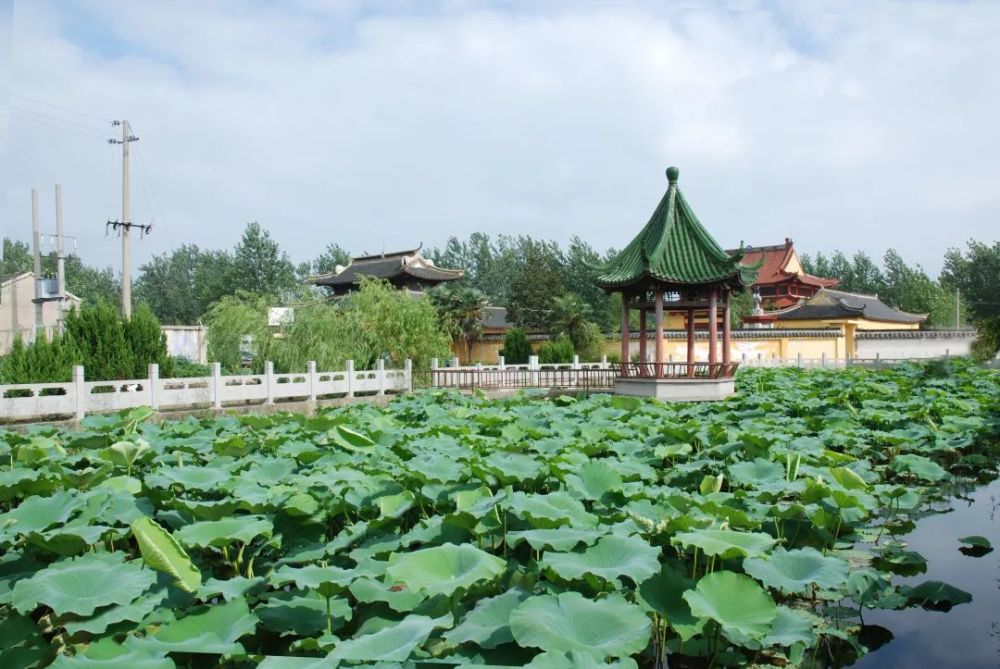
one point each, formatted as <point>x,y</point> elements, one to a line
<point>676,390</point>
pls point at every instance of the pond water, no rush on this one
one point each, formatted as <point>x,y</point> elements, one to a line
<point>968,636</point>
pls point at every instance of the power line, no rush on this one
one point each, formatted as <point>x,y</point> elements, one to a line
<point>85,126</point>
<point>71,111</point>
<point>51,125</point>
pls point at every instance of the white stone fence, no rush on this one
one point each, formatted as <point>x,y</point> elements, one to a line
<point>78,398</point>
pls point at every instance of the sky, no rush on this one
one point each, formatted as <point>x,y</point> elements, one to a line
<point>381,125</point>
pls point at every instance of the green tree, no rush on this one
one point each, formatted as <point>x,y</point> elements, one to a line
<point>976,273</point>
<point>42,361</point>
<point>147,342</point>
<point>516,347</point>
<point>259,265</point>
<point>460,309</point>
<point>328,260</point>
<point>233,318</point>
<point>96,329</point>
<point>556,351</point>
<point>533,289</point>
<point>180,286</point>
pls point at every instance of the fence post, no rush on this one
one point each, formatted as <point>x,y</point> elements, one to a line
<point>311,373</point>
<point>80,392</point>
<point>946,353</point>
<point>822,359</point>
<point>533,366</point>
<point>349,375</point>
<point>455,362</point>
<point>576,362</point>
<point>743,360</point>
<point>760,359</point>
<point>269,382</point>
<point>154,383</point>
<point>408,375</point>
<point>798,359</point>
<point>434,366</point>
<point>604,362</point>
<point>216,385</point>
<point>501,363</point>
<point>380,375</point>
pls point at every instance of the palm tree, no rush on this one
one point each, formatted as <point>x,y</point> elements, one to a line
<point>461,310</point>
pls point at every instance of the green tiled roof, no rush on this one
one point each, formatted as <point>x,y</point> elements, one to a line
<point>675,248</point>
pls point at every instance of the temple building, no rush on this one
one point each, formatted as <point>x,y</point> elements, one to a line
<point>781,281</point>
<point>674,266</point>
<point>406,270</point>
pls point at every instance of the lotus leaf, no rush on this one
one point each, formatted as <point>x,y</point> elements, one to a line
<point>550,510</point>
<point>390,644</point>
<point>558,538</point>
<point>84,584</point>
<point>919,466</point>
<point>797,570</point>
<point>936,593</point>
<point>610,558</point>
<point>735,602</point>
<point>726,543</point>
<point>577,660</point>
<point>442,570</point>
<point>487,625</point>
<point>160,551</point>
<point>213,630</point>
<point>225,532</point>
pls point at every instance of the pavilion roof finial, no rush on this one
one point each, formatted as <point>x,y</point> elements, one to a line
<point>672,174</point>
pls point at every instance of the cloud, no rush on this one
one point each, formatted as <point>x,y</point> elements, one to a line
<point>381,126</point>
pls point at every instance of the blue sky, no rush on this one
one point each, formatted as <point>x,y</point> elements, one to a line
<point>383,125</point>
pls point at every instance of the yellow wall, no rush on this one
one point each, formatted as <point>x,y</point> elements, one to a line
<point>676,349</point>
<point>859,323</point>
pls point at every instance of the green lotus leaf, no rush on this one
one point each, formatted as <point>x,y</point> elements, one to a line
<point>726,543</point>
<point>610,627</point>
<point>577,660</point>
<point>795,571</point>
<point>557,538</point>
<point>225,532</point>
<point>350,438</point>
<point>230,588</point>
<point>920,466</point>
<point>488,624</point>
<point>936,593</point>
<point>976,541</point>
<point>790,627</point>
<point>610,558</point>
<point>112,615</point>
<point>289,613</point>
<point>550,510</point>
<point>328,581</point>
<point>212,630</point>
<point>37,514</point>
<point>84,584</point>
<point>443,569</point>
<point>190,478</point>
<point>848,478</point>
<point>390,644</point>
<point>125,453</point>
<point>513,467</point>
<point>290,662</point>
<point>736,602</point>
<point>368,590</point>
<point>663,593</point>
<point>127,659</point>
<point>160,551</point>
<point>756,472</point>
<point>594,480</point>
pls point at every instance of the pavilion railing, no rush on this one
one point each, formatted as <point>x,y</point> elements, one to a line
<point>583,378</point>
<point>678,370</point>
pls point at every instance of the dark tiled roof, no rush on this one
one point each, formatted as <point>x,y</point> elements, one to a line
<point>674,247</point>
<point>388,266</point>
<point>830,304</point>
<point>495,318</point>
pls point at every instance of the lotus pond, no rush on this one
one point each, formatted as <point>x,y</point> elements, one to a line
<point>447,529</point>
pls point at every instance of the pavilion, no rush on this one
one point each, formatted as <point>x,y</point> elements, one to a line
<point>675,266</point>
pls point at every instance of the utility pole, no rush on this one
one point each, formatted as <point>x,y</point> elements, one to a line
<point>60,264</point>
<point>126,224</point>
<point>36,243</point>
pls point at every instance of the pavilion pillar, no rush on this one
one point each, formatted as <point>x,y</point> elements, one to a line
<point>642,336</point>
<point>625,358</point>
<point>726,330</point>
<point>659,332</point>
<point>713,325</point>
<point>690,337</point>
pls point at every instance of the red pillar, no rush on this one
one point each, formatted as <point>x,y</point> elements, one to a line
<point>726,331</point>
<point>659,332</point>
<point>713,325</point>
<point>642,335</point>
<point>624,334</point>
<point>690,335</point>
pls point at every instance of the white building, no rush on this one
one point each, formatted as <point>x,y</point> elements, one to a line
<point>17,309</point>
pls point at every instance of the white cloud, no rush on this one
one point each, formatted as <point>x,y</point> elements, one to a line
<point>857,128</point>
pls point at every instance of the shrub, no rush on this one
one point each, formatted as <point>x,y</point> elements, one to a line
<point>184,368</point>
<point>556,351</point>
<point>516,347</point>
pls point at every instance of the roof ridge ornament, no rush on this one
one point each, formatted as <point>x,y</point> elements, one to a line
<point>672,174</point>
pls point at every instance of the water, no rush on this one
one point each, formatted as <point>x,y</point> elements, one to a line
<point>968,636</point>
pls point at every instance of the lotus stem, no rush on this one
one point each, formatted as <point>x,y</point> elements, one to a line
<point>329,618</point>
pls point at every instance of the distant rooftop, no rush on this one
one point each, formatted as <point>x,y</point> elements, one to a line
<point>391,266</point>
<point>831,304</point>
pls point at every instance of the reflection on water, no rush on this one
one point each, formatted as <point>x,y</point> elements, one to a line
<point>968,636</point>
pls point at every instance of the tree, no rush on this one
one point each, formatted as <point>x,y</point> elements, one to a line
<point>977,275</point>
<point>570,316</point>
<point>42,361</point>
<point>147,342</point>
<point>533,288</point>
<point>556,351</point>
<point>259,265</point>
<point>328,260</point>
<point>181,286</point>
<point>580,267</point>
<point>97,330</point>
<point>461,310</point>
<point>516,347</point>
